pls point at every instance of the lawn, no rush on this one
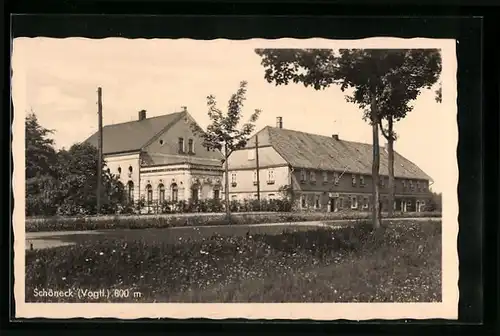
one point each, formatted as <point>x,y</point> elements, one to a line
<point>399,263</point>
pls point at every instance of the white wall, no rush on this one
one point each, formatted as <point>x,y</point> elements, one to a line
<point>125,161</point>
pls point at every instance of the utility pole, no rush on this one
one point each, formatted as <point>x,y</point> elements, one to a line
<point>257,168</point>
<point>99,145</point>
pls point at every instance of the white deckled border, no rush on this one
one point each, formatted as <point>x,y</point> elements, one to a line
<point>448,308</point>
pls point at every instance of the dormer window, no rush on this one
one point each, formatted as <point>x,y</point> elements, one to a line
<point>362,180</point>
<point>161,142</point>
<point>325,177</point>
<point>353,180</point>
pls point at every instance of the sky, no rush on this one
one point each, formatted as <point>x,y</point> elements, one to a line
<point>59,78</point>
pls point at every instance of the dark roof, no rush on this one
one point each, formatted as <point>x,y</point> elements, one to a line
<point>133,135</point>
<point>312,151</point>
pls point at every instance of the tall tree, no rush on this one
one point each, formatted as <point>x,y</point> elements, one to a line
<point>39,148</point>
<point>224,132</point>
<point>40,183</point>
<point>369,74</point>
<point>416,69</point>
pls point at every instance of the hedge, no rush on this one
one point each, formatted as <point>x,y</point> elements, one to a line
<point>198,219</point>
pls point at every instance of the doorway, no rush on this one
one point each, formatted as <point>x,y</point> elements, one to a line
<point>334,204</point>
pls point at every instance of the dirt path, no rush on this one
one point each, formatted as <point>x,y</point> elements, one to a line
<point>40,240</point>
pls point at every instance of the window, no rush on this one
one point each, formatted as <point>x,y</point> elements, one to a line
<point>336,178</point>
<point>424,187</point>
<point>404,184</point>
<point>354,202</point>
<point>317,201</point>
<point>191,146</point>
<point>271,196</point>
<point>181,145</point>
<point>382,182</point>
<point>161,142</point>
<point>365,202</point>
<point>341,203</point>
<point>216,194</point>
<point>234,198</point>
<point>233,179</point>
<point>119,170</point>
<point>161,193</point>
<point>195,193</point>
<point>251,155</point>
<point>303,201</point>
<point>130,169</point>
<point>254,177</point>
<point>411,185</point>
<point>174,192</point>
<point>418,186</point>
<point>303,175</point>
<point>353,180</point>
<point>270,176</point>
<point>313,176</point>
<point>362,180</point>
<point>130,191</point>
<point>325,177</point>
<point>422,206</point>
<point>149,191</point>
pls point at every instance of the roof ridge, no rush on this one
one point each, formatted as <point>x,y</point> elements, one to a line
<point>164,129</point>
<point>133,121</point>
<point>319,135</point>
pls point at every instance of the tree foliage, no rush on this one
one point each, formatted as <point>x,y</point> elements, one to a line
<point>380,81</point>
<point>224,132</point>
<point>39,148</point>
<point>65,181</point>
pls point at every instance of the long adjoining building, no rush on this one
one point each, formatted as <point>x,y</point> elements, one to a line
<point>323,172</point>
<point>161,159</point>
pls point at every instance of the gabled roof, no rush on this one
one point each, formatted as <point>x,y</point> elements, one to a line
<point>133,135</point>
<point>312,151</point>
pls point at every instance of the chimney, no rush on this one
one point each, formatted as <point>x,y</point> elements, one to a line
<point>142,115</point>
<point>279,122</point>
<point>335,136</point>
<point>184,108</point>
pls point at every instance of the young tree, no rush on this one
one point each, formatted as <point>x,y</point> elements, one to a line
<point>224,134</point>
<point>366,72</point>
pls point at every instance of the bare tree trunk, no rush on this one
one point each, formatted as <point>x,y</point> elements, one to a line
<point>390,149</point>
<point>375,166</point>
<point>226,185</point>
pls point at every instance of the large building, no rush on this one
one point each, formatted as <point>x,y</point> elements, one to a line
<point>161,158</point>
<point>320,172</point>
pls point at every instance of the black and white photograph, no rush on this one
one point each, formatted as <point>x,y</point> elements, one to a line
<point>260,179</point>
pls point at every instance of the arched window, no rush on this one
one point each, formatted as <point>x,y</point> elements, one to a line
<point>119,170</point>
<point>195,193</point>
<point>217,192</point>
<point>149,192</point>
<point>130,191</point>
<point>175,192</point>
<point>130,168</point>
<point>161,193</point>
